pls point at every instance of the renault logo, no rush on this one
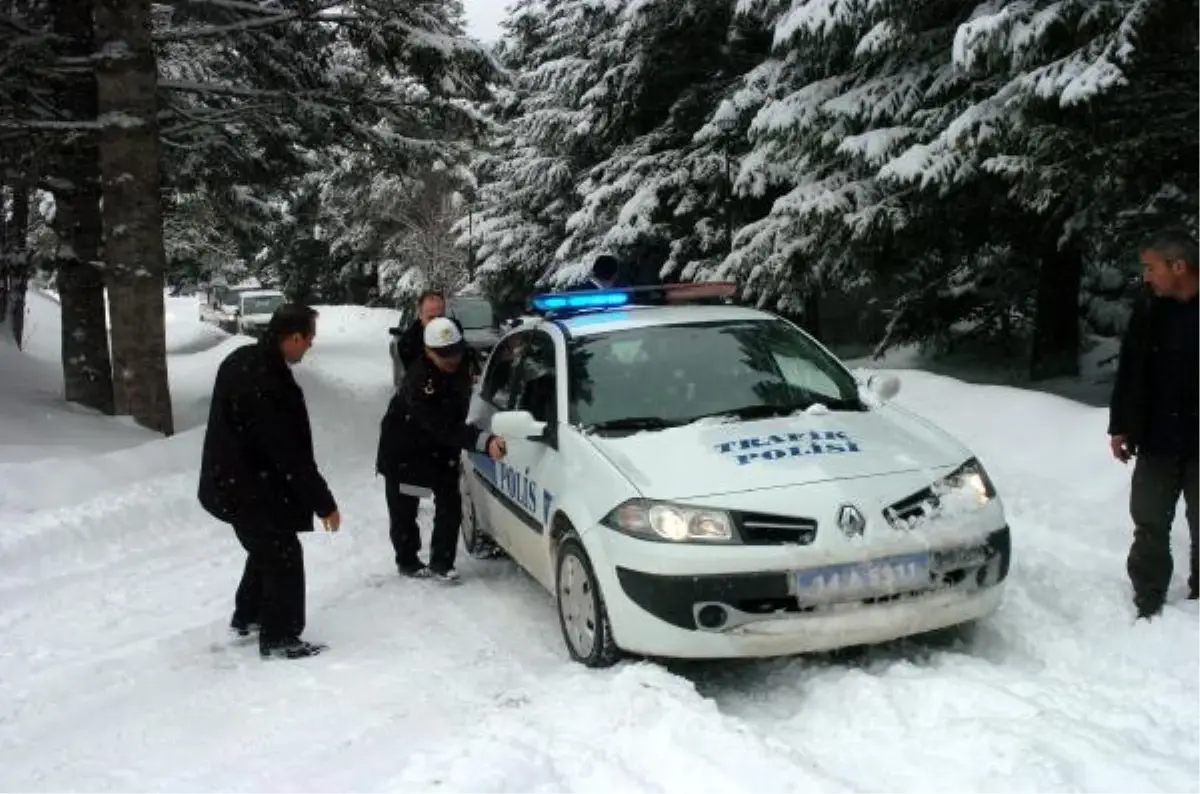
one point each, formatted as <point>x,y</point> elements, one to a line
<point>851,521</point>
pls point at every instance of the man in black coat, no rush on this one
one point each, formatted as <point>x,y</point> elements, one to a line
<point>258,473</point>
<point>410,343</point>
<point>1154,414</point>
<point>421,439</point>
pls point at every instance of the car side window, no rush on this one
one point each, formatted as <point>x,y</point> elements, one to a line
<point>536,383</point>
<point>501,369</point>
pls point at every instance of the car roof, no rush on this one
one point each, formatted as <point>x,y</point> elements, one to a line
<point>258,292</point>
<point>627,317</point>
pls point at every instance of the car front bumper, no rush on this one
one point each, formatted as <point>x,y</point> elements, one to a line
<point>760,613</point>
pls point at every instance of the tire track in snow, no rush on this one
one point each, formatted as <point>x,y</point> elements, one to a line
<point>1051,693</point>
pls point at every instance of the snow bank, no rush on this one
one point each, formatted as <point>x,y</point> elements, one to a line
<point>115,588</point>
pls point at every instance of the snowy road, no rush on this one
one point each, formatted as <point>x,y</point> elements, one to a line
<point>115,672</point>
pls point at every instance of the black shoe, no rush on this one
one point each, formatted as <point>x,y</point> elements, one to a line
<point>244,628</point>
<point>415,570</point>
<point>446,575</point>
<point>292,649</point>
<point>1147,610</point>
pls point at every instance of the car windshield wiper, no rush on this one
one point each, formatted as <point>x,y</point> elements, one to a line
<point>752,411</point>
<point>761,411</point>
<point>634,423</point>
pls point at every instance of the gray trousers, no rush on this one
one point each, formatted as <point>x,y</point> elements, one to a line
<point>1157,485</point>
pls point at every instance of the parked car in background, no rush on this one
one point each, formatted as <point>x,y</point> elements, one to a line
<point>218,302</point>
<point>241,309</point>
<point>473,312</point>
<point>255,308</point>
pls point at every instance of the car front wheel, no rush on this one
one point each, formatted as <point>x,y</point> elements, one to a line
<point>475,540</point>
<point>581,611</point>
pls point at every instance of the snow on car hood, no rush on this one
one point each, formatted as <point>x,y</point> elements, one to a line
<point>712,457</point>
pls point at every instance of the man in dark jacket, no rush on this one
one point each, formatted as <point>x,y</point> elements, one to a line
<point>258,473</point>
<point>410,344</point>
<point>420,441</point>
<point>1154,414</point>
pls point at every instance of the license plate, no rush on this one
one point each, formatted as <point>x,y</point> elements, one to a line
<point>863,579</point>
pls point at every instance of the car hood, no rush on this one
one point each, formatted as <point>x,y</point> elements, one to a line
<point>708,457</point>
<point>256,319</point>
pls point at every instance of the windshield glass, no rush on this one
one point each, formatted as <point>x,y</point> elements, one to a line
<point>471,313</point>
<point>261,304</point>
<point>663,376</point>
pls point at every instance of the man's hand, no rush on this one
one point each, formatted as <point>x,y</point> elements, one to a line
<point>1120,448</point>
<point>496,448</point>
<point>332,522</point>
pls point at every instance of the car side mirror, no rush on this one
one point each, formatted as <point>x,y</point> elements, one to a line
<point>885,386</point>
<point>517,424</point>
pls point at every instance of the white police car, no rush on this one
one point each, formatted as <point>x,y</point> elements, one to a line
<point>707,481</point>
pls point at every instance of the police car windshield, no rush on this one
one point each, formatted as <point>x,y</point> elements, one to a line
<point>667,375</point>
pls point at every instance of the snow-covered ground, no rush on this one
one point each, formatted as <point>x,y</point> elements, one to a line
<point>116,674</point>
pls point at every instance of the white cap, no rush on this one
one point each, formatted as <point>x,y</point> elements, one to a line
<point>441,334</point>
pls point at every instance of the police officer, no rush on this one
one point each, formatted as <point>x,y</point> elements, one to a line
<point>1154,415</point>
<point>258,473</point>
<point>420,440</point>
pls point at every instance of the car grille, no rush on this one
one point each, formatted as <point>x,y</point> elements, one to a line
<point>763,529</point>
<point>898,514</point>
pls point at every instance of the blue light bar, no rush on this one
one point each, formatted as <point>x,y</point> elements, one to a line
<point>579,300</point>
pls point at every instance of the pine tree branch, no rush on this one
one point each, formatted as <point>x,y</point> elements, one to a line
<point>232,5</point>
<point>241,26</point>
<point>9,21</point>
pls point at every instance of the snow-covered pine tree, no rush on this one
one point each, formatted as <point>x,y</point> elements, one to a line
<point>555,52</point>
<point>849,85</point>
<point>266,91</point>
<point>1064,129</point>
<point>662,200</point>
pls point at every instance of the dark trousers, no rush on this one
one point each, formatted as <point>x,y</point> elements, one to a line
<point>271,592</point>
<point>406,535</point>
<point>1157,485</point>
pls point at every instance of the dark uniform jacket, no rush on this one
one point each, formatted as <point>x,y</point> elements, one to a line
<point>257,468</point>
<point>425,427</point>
<point>1156,399</point>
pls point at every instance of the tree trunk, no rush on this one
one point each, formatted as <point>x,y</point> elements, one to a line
<point>17,254</point>
<point>87,368</point>
<point>126,83</point>
<point>1056,321</point>
<point>5,267</point>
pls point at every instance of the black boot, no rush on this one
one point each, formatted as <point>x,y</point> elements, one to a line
<point>244,628</point>
<point>1148,607</point>
<point>290,649</point>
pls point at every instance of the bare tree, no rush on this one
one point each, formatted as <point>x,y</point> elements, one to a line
<point>423,245</point>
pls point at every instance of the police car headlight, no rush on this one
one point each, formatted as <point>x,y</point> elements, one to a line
<point>663,521</point>
<point>969,480</point>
